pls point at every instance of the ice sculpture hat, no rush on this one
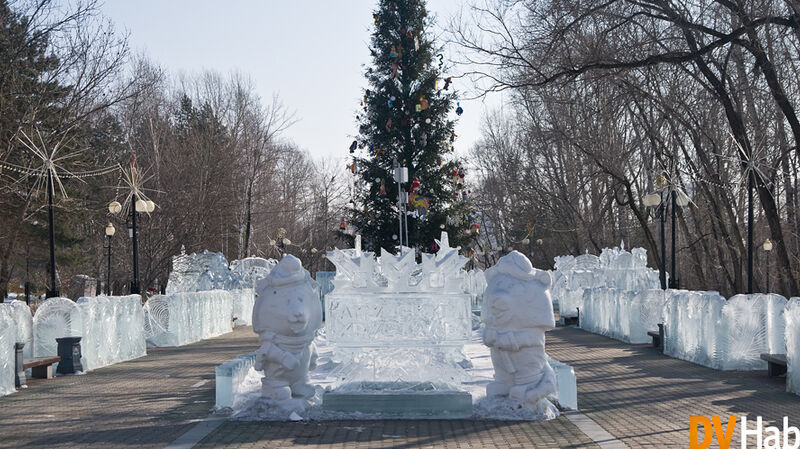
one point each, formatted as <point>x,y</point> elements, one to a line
<point>516,265</point>
<point>288,271</point>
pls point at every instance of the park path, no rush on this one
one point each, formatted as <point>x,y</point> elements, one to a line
<point>639,396</point>
<point>143,403</point>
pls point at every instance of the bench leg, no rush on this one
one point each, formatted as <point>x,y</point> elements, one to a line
<point>775,370</point>
<point>42,372</point>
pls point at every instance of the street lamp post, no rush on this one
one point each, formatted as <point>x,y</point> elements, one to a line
<point>138,205</point>
<point>767,246</point>
<point>110,230</point>
<point>653,200</point>
<point>53,292</point>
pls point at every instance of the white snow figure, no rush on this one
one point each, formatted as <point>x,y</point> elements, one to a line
<point>517,310</point>
<point>286,317</point>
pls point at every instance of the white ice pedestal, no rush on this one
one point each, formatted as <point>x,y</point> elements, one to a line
<point>402,400</point>
<point>230,377</point>
<point>567,384</point>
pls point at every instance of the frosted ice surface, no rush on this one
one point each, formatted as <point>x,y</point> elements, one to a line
<point>200,272</point>
<point>113,330</point>
<point>8,336</point>
<point>691,325</point>
<point>243,302</point>
<point>246,272</point>
<point>23,321</point>
<point>647,312</point>
<point>392,319</point>
<point>182,318</point>
<point>749,327</point>
<point>615,268</point>
<point>55,318</point>
<point>792,315</point>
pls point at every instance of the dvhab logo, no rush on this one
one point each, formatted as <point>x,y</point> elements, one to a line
<point>769,437</point>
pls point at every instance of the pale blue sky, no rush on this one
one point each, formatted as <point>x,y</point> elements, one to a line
<point>309,51</point>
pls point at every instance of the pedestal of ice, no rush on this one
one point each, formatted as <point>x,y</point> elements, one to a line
<point>399,328</point>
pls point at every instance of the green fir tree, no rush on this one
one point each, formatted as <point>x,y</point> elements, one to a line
<point>405,121</point>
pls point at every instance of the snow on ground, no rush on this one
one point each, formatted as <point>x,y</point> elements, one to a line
<point>250,406</point>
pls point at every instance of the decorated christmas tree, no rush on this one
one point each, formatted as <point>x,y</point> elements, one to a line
<point>404,122</point>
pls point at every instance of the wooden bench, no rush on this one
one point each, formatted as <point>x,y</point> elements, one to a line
<point>656,338</point>
<point>776,364</point>
<point>41,367</point>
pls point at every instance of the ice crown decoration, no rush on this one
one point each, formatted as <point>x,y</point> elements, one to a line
<point>357,269</point>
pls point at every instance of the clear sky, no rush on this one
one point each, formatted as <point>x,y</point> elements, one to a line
<point>308,51</point>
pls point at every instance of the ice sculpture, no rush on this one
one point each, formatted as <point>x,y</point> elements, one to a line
<point>286,318</point>
<point>250,270</point>
<point>55,318</point>
<point>200,272</point>
<point>392,320</point>
<point>23,320</point>
<point>615,268</point>
<point>792,315</point>
<point>748,328</point>
<point>113,330</point>
<point>8,336</point>
<point>182,318</point>
<point>475,285</point>
<point>517,311</point>
<point>691,326</point>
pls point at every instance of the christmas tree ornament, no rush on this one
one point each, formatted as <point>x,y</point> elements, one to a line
<point>419,204</point>
<point>447,82</point>
<point>423,102</point>
<point>475,227</point>
<point>390,102</point>
<point>393,52</point>
<point>441,60</point>
<point>418,107</point>
<point>414,185</point>
<point>416,43</point>
<point>428,121</point>
<point>389,125</point>
<point>459,110</point>
<point>376,18</point>
<point>382,190</point>
<point>353,146</point>
<point>436,84</point>
<point>342,225</point>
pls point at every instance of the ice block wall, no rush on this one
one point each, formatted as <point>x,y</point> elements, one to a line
<point>751,325</point>
<point>606,311</point>
<point>647,312</point>
<point>692,322</point>
<point>23,321</point>
<point>243,301</point>
<point>8,336</point>
<point>183,318</point>
<point>792,315</point>
<point>55,318</point>
<point>113,330</point>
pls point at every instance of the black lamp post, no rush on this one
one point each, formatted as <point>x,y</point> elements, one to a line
<point>110,230</point>
<point>137,206</point>
<point>655,200</point>
<point>767,246</point>
<point>53,292</point>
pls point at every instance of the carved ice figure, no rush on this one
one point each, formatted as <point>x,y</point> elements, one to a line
<point>518,310</point>
<point>246,272</point>
<point>199,272</point>
<point>286,317</point>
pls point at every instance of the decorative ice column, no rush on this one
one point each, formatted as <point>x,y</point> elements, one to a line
<point>518,310</point>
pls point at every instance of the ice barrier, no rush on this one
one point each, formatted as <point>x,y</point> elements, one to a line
<point>700,327</point>
<point>615,268</point>
<point>750,325</point>
<point>243,301</point>
<point>55,318</point>
<point>792,315</point>
<point>113,330</point>
<point>23,321</point>
<point>182,318</point>
<point>8,336</point>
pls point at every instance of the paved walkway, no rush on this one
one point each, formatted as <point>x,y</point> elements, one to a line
<point>636,394</point>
